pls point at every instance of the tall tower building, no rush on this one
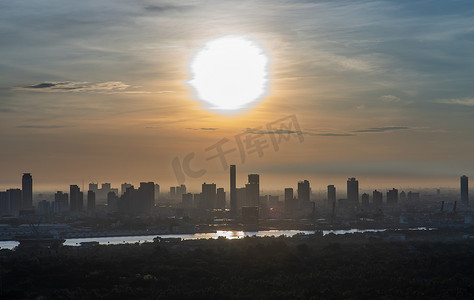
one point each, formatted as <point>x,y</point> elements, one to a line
<point>304,192</point>
<point>464,190</point>
<point>26,191</point>
<point>377,198</point>
<point>76,198</point>
<point>253,190</point>
<point>392,196</point>
<point>289,202</point>
<point>233,191</point>
<point>209,196</point>
<point>146,193</point>
<point>353,191</point>
<point>331,195</point>
<point>220,201</point>
<point>90,200</point>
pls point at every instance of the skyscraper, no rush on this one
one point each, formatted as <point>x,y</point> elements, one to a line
<point>392,196</point>
<point>146,193</point>
<point>353,191</point>
<point>365,199</point>
<point>90,200</point>
<point>220,202</point>
<point>303,192</point>
<point>331,195</point>
<point>464,190</point>
<point>233,192</point>
<point>289,202</point>
<point>253,190</point>
<point>76,198</point>
<point>377,198</point>
<point>26,191</point>
<point>209,195</point>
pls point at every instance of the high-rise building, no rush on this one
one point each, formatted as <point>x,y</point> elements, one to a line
<point>61,202</point>
<point>331,195</point>
<point>146,197</point>
<point>14,198</point>
<point>172,192</point>
<point>304,193</point>
<point>464,190</point>
<point>157,191</point>
<point>365,199</point>
<point>377,198</point>
<point>4,204</point>
<point>187,200</point>
<point>253,190</point>
<point>353,191</point>
<point>209,195</point>
<point>392,197</point>
<point>26,191</point>
<point>233,192</point>
<point>220,200</point>
<point>76,198</point>
<point>124,187</point>
<point>289,202</point>
<point>90,200</point>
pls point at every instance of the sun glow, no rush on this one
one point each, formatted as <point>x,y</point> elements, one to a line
<point>229,73</point>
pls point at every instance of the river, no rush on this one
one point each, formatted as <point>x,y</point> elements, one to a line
<point>229,234</point>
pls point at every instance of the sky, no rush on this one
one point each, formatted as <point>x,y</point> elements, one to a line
<point>98,91</point>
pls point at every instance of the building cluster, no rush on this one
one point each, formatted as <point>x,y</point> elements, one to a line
<point>18,202</point>
<point>241,203</point>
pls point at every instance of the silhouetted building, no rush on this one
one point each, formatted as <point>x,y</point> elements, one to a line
<point>197,200</point>
<point>123,187</point>
<point>331,195</point>
<point>14,198</point>
<point>241,195</point>
<point>353,191</point>
<point>90,200</point>
<point>61,202</point>
<point>392,197</point>
<point>365,199</point>
<point>220,201</point>
<point>377,198</point>
<point>114,203</point>
<point>26,191</point>
<point>187,200</point>
<point>290,203</point>
<point>172,192</point>
<point>464,190</point>
<point>233,192</point>
<point>253,190</point>
<point>76,199</point>
<point>157,191</point>
<point>146,197</point>
<point>209,195</point>
<point>4,204</point>
<point>44,208</point>
<point>304,193</point>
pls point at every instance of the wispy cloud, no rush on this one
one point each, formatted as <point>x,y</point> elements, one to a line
<point>203,128</point>
<point>109,87</point>
<point>41,126</point>
<point>390,98</point>
<point>282,131</point>
<point>162,8</point>
<point>381,129</point>
<point>464,101</point>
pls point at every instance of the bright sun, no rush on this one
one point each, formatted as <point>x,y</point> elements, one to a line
<point>229,73</point>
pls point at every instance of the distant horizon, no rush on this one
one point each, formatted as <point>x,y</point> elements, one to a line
<point>317,184</point>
